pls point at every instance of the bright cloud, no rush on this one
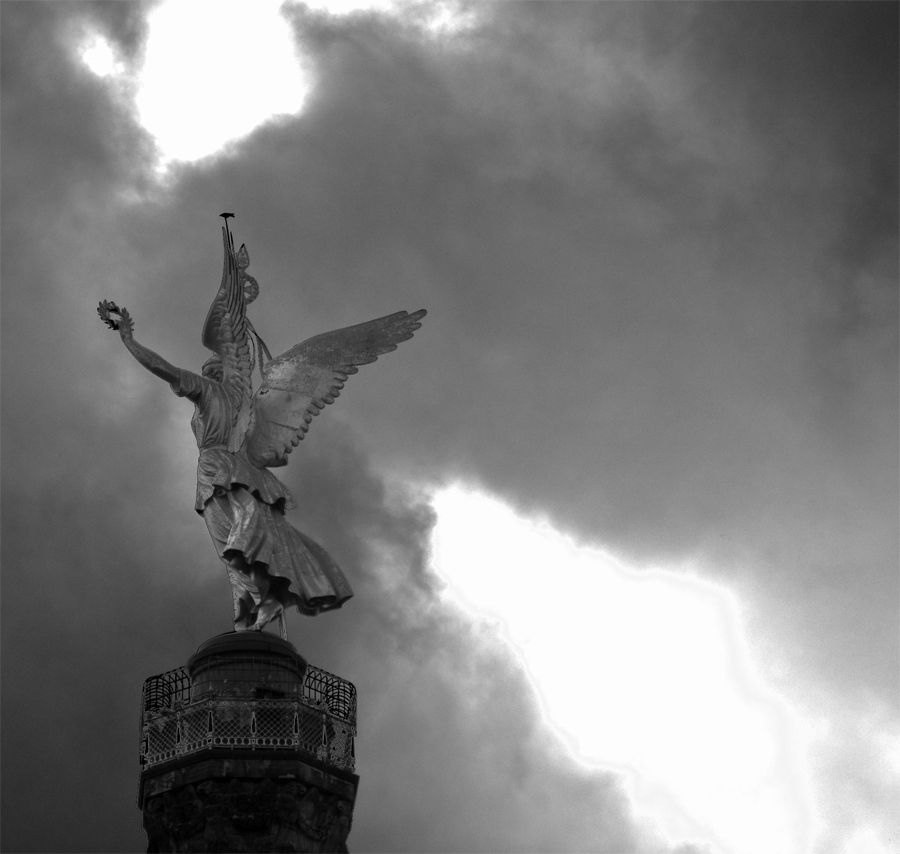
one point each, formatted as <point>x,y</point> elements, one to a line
<point>645,672</point>
<point>445,17</point>
<point>214,71</point>
<point>98,55</point>
<point>866,841</point>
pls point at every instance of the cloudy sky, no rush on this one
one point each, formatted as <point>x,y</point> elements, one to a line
<point>621,519</point>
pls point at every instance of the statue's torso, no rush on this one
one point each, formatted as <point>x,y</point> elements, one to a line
<point>212,423</point>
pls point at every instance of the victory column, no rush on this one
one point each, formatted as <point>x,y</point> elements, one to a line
<point>248,747</point>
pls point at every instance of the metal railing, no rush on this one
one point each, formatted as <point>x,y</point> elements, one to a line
<point>319,720</point>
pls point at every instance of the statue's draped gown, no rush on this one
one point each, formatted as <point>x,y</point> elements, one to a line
<point>243,507</point>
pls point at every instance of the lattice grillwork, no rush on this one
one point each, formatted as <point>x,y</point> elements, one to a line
<point>173,688</point>
<point>338,695</point>
<point>232,720</point>
<point>309,729</point>
<point>194,723</point>
<point>269,724</point>
<point>274,721</point>
<point>162,737</point>
<point>339,743</point>
<point>231,706</point>
<point>166,691</point>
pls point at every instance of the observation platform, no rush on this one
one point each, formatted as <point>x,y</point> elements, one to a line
<point>247,745</point>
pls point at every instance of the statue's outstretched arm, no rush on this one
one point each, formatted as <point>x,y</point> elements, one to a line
<point>150,360</point>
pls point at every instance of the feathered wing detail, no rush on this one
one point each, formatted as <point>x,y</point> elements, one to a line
<point>299,383</point>
<point>227,333</point>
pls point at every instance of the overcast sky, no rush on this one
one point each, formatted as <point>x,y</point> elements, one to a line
<point>658,248</point>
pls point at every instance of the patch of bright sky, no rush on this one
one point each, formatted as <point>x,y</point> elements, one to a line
<point>215,70</point>
<point>645,672</point>
<point>98,55</point>
<point>437,18</point>
<point>866,841</point>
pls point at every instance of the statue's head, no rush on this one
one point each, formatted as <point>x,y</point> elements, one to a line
<point>212,369</point>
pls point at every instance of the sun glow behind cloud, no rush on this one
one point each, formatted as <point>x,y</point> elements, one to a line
<point>645,672</point>
<point>98,55</point>
<point>212,73</point>
<point>215,70</point>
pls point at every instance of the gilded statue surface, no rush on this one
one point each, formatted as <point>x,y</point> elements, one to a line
<point>242,433</point>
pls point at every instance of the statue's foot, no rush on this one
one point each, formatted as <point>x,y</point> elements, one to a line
<point>266,612</point>
<point>245,619</point>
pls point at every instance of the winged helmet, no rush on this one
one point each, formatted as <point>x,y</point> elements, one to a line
<point>300,382</point>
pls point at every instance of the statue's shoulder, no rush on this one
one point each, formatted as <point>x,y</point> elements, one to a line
<point>188,384</point>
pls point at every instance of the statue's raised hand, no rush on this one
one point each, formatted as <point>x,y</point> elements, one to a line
<point>124,324</point>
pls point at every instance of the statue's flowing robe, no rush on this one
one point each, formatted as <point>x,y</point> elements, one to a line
<point>243,507</point>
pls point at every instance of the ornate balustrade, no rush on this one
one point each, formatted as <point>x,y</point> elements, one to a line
<point>179,718</point>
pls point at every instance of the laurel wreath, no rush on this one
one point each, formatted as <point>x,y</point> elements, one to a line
<point>107,308</point>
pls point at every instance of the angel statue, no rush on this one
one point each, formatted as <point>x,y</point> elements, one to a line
<point>242,434</point>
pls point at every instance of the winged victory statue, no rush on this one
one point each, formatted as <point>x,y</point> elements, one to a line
<point>241,434</point>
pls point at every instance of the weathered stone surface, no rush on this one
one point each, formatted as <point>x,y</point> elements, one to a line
<point>247,804</point>
<point>257,792</point>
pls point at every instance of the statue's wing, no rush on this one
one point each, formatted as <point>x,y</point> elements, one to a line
<point>227,333</point>
<point>298,383</point>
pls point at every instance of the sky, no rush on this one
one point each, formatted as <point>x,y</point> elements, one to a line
<point>621,519</point>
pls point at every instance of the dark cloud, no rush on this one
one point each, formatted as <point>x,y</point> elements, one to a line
<point>657,243</point>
